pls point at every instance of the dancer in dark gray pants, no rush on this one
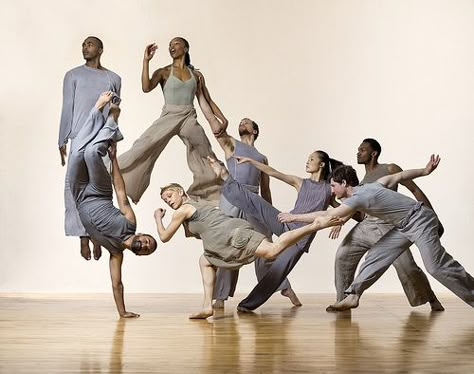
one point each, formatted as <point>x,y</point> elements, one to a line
<point>82,85</point>
<point>254,180</point>
<point>365,234</point>
<point>413,223</point>
<point>91,187</point>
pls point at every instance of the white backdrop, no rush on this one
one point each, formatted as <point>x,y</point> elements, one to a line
<point>314,74</point>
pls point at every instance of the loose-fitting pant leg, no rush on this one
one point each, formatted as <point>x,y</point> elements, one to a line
<point>137,163</point>
<point>72,222</point>
<point>378,259</point>
<point>253,206</point>
<point>206,185</point>
<point>277,272</point>
<point>226,280</point>
<point>360,240</point>
<point>354,245</point>
<point>439,263</point>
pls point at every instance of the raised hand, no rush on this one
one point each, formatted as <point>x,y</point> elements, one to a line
<point>432,164</point>
<point>160,213</point>
<point>150,50</point>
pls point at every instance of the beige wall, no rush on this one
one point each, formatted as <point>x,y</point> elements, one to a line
<point>313,74</point>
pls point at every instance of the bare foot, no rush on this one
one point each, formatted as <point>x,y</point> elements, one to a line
<point>244,309</point>
<point>85,250</point>
<point>436,306</point>
<point>218,304</point>
<point>203,314</point>
<point>351,301</point>
<point>97,251</point>
<point>288,292</point>
<point>218,168</point>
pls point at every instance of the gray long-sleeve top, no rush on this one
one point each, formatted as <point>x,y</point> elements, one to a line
<point>81,89</point>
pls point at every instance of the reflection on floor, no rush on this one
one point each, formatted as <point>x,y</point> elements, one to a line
<point>81,333</point>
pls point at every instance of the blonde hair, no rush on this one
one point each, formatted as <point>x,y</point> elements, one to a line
<point>174,187</point>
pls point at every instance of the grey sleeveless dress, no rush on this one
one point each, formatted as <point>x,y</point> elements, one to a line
<point>228,242</point>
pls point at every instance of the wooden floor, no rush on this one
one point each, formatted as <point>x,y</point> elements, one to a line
<point>82,334</point>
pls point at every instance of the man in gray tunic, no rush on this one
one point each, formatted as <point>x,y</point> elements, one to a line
<point>252,178</point>
<point>365,234</point>
<point>91,188</point>
<point>82,86</point>
<point>412,221</point>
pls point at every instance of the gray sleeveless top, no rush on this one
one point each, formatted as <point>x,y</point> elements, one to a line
<point>228,242</point>
<point>106,224</point>
<point>312,197</point>
<point>245,173</point>
<point>178,92</point>
<point>380,171</point>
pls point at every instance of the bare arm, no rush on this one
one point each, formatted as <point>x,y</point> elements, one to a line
<point>226,142</point>
<point>391,180</point>
<point>115,265</point>
<point>292,180</point>
<point>147,83</point>
<point>215,109</point>
<point>344,212</point>
<point>265,186</point>
<point>179,216</point>
<point>412,187</point>
<point>119,187</point>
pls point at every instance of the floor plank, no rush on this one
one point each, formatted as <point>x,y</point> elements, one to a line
<point>82,334</point>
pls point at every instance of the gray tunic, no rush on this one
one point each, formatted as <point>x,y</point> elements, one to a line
<point>228,242</point>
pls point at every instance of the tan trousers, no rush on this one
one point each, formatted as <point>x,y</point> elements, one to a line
<point>175,120</point>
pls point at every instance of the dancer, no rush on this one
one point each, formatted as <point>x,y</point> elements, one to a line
<point>252,178</point>
<point>82,85</point>
<point>179,82</point>
<point>228,242</point>
<point>413,223</point>
<point>366,233</point>
<point>91,187</point>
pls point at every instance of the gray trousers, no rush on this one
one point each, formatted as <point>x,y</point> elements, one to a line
<point>72,223</point>
<point>176,120</point>
<point>226,280</point>
<point>361,239</point>
<point>89,177</point>
<point>421,229</point>
<point>262,211</point>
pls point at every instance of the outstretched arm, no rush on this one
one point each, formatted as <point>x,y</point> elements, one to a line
<point>292,180</point>
<point>119,186</point>
<point>344,212</point>
<point>391,180</point>
<point>115,265</point>
<point>179,216</point>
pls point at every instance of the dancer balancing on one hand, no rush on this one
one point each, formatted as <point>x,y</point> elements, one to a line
<point>228,242</point>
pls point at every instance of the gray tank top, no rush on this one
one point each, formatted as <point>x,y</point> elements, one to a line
<point>312,197</point>
<point>178,92</point>
<point>245,173</point>
<point>380,171</point>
